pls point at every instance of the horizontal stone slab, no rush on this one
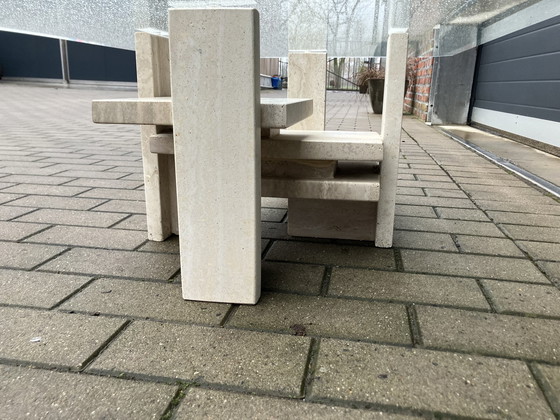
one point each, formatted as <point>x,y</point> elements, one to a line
<point>275,112</point>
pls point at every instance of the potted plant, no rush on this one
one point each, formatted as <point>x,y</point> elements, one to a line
<point>374,79</point>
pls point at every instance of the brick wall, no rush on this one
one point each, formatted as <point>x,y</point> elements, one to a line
<point>417,97</point>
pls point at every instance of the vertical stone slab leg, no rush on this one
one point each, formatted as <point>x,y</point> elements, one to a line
<point>395,74</point>
<point>152,68</point>
<point>307,78</point>
<point>216,123</point>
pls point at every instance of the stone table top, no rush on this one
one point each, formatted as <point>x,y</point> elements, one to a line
<point>275,112</point>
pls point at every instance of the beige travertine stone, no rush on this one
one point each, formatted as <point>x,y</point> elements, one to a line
<point>217,151</point>
<point>391,134</point>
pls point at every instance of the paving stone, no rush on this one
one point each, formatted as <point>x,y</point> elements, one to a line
<point>532,233</point>
<point>5,198</point>
<point>205,403</point>
<point>100,262</point>
<point>517,207</point>
<point>14,231</point>
<point>295,278</point>
<point>462,214</point>
<point>42,290</point>
<point>424,240</point>
<point>417,211</point>
<point>57,190</point>
<point>71,161</point>
<point>500,268</point>
<point>143,299</point>
<point>326,317</point>
<point>106,183</point>
<point>121,163</point>
<point>520,197</point>
<point>429,184</point>
<point>38,394</point>
<point>52,202</point>
<point>90,237</point>
<point>551,268</point>
<point>453,384</point>
<point>447,226</point>
<point>73,217</point>
<point>435,178</point>
<point>26,170</point>
<point>169,246</point>
<point>491,334</point>
<point>502,189</point>
<point>11,212</point>
<point>435,201</point>
<point>525,219</point>
<point>272,215</point>
<point>405,287</point>
<point>524,298</point>
<point>489,246</point>
<point>550,378</point>
<point>541,250</point>
<point>123,206</point>
<point>134,222</point>
<point>244,359</point>
<point>94,175</point>
<point>114,194</point>
<point>61,167</point>
<point>451,193</point>
<point>52,338</point>
<point>410,191</point>
<point>332,254</point>
<point>26,256</point>
<point>502,181</point>
<point>280,203</point>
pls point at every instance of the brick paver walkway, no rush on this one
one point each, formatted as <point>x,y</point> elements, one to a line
<point>460,320</point>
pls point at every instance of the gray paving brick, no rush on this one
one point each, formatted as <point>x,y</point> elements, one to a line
<point>332,254</point>
<point>435,178</point>
<point>42,290</point>
<point>455,384</point>
<point>532,233</point>
<point>436,201</point>
<point>26,170</point>
<point>62,167</point>
<point>272,215</point>
<point>525,219</point>
<point>100,262</point>
<point>73,217</point>
<point>418,211</point>
<point>26,256</point>
<point>52,338</point>
<point>520,197</point>
<point>491,334</point>
<point>518,207</point>
<point>106,183</point>
<point>123,206</point>
<point>273,230</point>
<point>35,179</point>
<point>121,163</point>
<point>11,212</point>
<point>134,222</point>
<point>205,403</point>
<point>405,287</point>
<point>143,299</point>
<point>429,184</point>
<point>410,191</point>
<point>503,189</point>
<point>489,246</point>
<point>500,268</point>
<point>550,378</point>
<point>170,245</point>
<point>447,226</point>
<point>424,240</point>
<point>4,198</point>
<point>71,161</point>
<point>296,278</point>
<point>114,194</point>
<point>93,175</point>
<point>524,298</point>
<point>541,250</point>
<point>90,237</point>
<point>244,359</point>
<point>66,203</point>
<point>36,393</point>
<point>502,181</point>
<point>451,193</point>
<point>326,317</point>
<point>462,214</point>
<point>6,185</point>
<point>58,190</point>
<point>551,268</point>
<point>14,231</point>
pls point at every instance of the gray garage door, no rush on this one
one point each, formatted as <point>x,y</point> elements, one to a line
<point>517,87</point>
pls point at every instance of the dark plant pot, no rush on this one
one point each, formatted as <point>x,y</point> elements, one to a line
<point>363,88</point>
<point>376,87</point>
